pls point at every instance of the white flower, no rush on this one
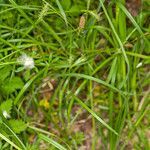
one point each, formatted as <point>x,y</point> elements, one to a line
<point>5,114</point>
<point>26,61</point>
<point>139,65</point>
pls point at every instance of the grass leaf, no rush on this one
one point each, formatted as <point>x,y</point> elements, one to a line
<point>52,142</point>
<point>62,12</point>
<point>94,114</point>
<point>9,141</point>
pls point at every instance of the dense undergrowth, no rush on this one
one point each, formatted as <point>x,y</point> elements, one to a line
<point>74,75</point>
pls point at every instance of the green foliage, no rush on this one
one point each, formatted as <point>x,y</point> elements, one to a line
<point>9,85</point>
<point>17,125</point>
<point>79,137</point>
<point>4,73</point>
<point>10,127</point>
<point>66,4</point>
<point>91,67</point>
<point>6,106</point>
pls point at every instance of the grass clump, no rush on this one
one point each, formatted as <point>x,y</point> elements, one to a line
<point>74,75</point>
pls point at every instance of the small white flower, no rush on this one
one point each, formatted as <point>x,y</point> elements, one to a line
<point>5,114</point>
<point>139,65</point>
<point>26,61</point>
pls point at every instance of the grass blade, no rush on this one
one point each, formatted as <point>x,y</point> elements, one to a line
<point>116,35</point>
<point>96,80</point>
<point>51,141</point>
<point>94,114</point>
<point>131,18</point>
<point>62,12</point>
<point>16,101</point>
<point>10,142</point>
<point>15,136</point>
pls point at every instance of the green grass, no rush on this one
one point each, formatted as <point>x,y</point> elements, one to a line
<point>89,88</point>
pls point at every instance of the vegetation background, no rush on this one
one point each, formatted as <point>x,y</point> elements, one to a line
<point>74,74</point>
